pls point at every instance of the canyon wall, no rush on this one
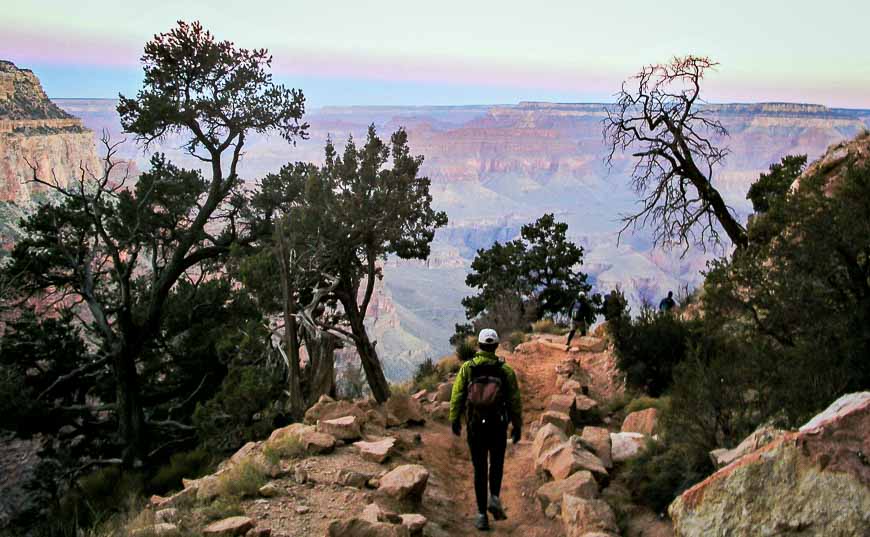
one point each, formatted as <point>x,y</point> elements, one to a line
<point>495,168</point>
<point>35,132</point>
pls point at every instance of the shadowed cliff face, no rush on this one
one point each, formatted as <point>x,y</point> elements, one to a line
<point>494,168</point>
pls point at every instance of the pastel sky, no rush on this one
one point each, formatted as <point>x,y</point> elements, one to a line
<point>464,52</point>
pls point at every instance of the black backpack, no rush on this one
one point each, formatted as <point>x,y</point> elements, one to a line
<point>487,395</point>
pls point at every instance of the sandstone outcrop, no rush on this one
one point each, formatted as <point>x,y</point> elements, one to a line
<point>582,517</point>
<point>811,483</point>
<point>35,131</point>
<point>580,484</point>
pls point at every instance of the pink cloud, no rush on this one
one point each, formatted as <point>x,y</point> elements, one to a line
<point>67,48</point>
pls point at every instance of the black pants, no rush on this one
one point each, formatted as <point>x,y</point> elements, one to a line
<point>574,326</point>
<point>487,442</point>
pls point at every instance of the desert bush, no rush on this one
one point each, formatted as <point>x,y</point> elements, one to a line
<point>662,404</point>
<point>284,448</point>
<point>227,420</point>
<point>516,338</point>
<point>220,508</point>
<point>466,349</point>
<point>650,346</point>
<point>449,365</point>
<point>664,471</point>
<point>546,326</point>
<point>188,464</point>
<point>243,479</point>
<point>427,376</point>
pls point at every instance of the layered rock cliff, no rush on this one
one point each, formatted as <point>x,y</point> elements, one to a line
<point>35,132</point>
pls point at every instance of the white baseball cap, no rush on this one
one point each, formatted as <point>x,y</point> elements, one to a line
<point>488,336</point>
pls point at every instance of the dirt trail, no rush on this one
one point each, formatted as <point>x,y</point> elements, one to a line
<point>447,457</point>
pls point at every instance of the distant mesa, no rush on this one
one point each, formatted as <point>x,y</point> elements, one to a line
<point>24,106</point>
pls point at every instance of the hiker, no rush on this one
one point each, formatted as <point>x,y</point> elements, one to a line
<point>486,391</point>
<point>668,303</point>
<point>582,314</point>
<point>614,305</point>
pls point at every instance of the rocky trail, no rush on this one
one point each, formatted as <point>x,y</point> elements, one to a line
<point>357,469</point>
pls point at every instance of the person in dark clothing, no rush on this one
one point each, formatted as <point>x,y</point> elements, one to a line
<point>668,303</point>
<point>582,315</point>
<point>487,393</point>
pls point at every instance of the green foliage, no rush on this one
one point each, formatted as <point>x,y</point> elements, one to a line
<point>427,376</point>
<point>663,472</point>
<point>221,508</point>
<point>614,306</point>
<point>801,291</point>
<point>244,479</point>
<point>515,338</point>
<point>773,186</point>
<point>534,274</point>
<point>650,346</point>
<point>466,349</point>
<point>662,404</point>
<point>186,464</point>
<point>243,408</point>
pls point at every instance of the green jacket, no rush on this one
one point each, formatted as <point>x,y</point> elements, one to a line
<point>460,388</point>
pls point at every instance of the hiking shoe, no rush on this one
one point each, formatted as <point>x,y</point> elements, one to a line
<point>495,508</point>
<point>481,522</point>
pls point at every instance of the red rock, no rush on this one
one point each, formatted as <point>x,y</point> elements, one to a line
<point>581,516</point>
<point>228,527</point>
<point>546,437</point>
<point>377,451</point>
<point>642,421</point>
<point>580,484</point>
<point>813,482</point>
<point>559,420</point>
<point>406,482</point>
<point>346,428</point>
<point>597,439</point>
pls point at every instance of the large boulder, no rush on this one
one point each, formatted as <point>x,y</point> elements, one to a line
<point>561,403</point>
<point>402,410</point>
<point>547,436</point>
<point>405,484</point>
<point>327,408</point>
<point>580,484</point>
<point>559,420</point>
<point>597,440</point>
<point>642,421</point>
<point>581,517</point>
<point>377,451</point>
<point>626,446</point>
<point>314,443</point>
<point>358,527</point>
<point>346,428</point>
<point>811,483</point>
<point>562,460</point>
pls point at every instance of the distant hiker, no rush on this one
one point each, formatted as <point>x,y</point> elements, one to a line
<point>668,303</point>
<point>486,391</point>
<point>582,315</point>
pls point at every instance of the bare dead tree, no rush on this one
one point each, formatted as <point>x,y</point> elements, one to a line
<point>660,117</point>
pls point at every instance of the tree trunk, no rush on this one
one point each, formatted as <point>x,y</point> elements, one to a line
<point>735,231</point>
<point>367,354</point>
<point>320,373</point>
<point>132,429</point>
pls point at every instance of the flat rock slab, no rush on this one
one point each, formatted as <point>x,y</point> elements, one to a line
<point>377,451</point>
<point>346,428</point>
<point>562,460</point>
<point>228,527</point>
<point>591,344</point>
